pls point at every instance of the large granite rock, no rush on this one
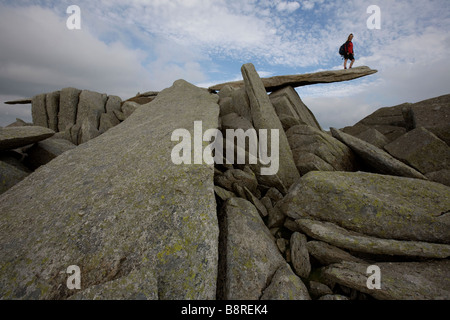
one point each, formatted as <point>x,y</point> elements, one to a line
<point>314,150</point>
<point>121,210</point>
<point>421,150</point>
<point>90,102</point>
<point>250,258</point>
<point>16,137</point>
<point>39,111</point>
<point>68,104</point>
<point>434,115</point>
<point>373,136</point>
<point>286,101</point>
<point>399,280</point>
<point>52,107</point>
<point>379,160</point>
<point>285,285</point>
<point>278,82</point>
<point>326,254</point>
<point>377,205</point>
<point>265,117</point>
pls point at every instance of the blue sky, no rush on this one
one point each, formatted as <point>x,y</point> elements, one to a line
<point>125,47</point>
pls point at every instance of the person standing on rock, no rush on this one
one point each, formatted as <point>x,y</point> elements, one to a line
<point>349,52</point>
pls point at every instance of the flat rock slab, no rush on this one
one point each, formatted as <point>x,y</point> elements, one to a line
<point>298,80</point>
<point>377,205</point>
<point>327,254</point>
<point>378,159</point>
<point>20,101</point>
<point>16,137</point>
<point>342,238</point>
<point>121,210</point>
<point>399,281</point>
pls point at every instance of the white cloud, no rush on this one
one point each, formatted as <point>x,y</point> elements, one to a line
<point>138,45</point>
<point>39,53</point>
<point>288,6</point>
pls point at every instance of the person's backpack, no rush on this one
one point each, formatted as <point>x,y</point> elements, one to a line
<point>343,49</point>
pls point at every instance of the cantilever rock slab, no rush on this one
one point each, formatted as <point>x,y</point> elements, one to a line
<point>299,80</point>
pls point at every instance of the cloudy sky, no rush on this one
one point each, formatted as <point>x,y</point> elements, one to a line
<point>125,47</point>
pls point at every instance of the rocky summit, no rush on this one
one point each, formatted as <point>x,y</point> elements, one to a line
<point>231,192</point>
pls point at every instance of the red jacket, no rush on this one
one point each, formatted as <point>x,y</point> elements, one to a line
<point>349,47</point>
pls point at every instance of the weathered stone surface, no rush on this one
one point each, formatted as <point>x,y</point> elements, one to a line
<point>113,104</point>
<point>256,202</point>
<point>373,136</point>
<point>16,137</point>
<point>235,121</point>
<point>390,132</point>
<point>107,121</point>
<point>111,207</point>
<point>226,106</point>
<point>223,193</point>
<point>52,107</point>
<point>376,158</point>
<point>19,123</point>
<point>267,181</point>
<point>285,285</point>
<point>119,115</point>
<point>44,151</point>
<point>399,280</point>
<point>39,111</point>
<point>441,176</point>
<point>421,150</point>
<point>377,205</point>
<point>276,218</point>
<point>313,149</point>
<point>242,178</point>
<point>74,133</point>
<point>226,92</point>
<point>300,255</point>
<point>129,107</point>
<point>251,255</point>
<point>278,82</point>
<point>342,238</point>
<point>90,103</point>
<point>265,117</point>
<point>287,101</point>
<point>431,113</point>
<point>288,122</point>
<point>241,104</point>
<point>326,254</point>
<point>395,116</point>
<point>89,128</point>
<point>10,175</point>
<point>137,285</point>
<point>332,297</point>
<point>68,104</point>
<point>317,289</point>
<point>144,98</point>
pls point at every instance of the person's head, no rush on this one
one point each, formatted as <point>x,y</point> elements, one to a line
<point>350,37</point>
